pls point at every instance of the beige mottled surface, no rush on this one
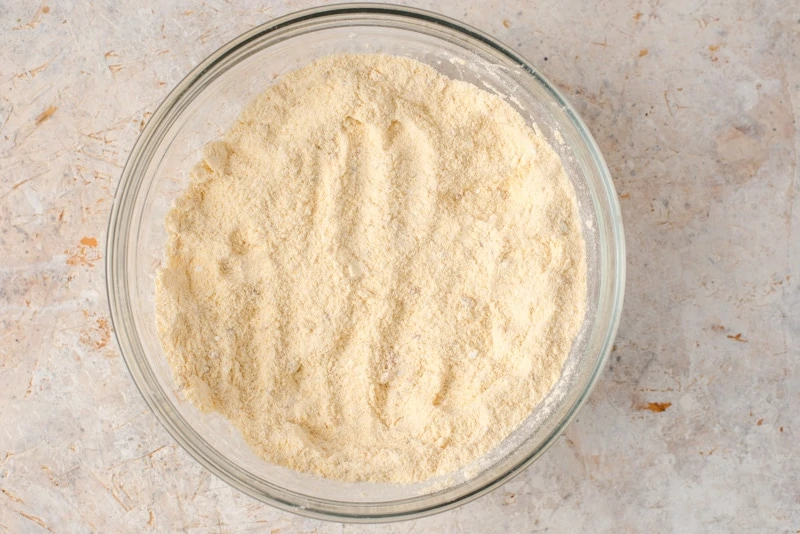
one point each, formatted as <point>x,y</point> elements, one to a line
<point>694,425</point>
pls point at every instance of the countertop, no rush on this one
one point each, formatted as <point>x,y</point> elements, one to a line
<point>693,427</point>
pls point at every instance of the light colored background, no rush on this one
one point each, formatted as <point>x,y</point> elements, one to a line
<point>694,104</point>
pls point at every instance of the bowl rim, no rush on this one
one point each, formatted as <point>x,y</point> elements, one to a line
<point>128,188</point>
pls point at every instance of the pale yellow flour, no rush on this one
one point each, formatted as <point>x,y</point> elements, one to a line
<point>376,275</point>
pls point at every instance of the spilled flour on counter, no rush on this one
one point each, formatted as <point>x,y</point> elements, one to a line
<point>377,275</point>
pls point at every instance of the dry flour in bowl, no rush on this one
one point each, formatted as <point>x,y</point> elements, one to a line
<point>376,275</point>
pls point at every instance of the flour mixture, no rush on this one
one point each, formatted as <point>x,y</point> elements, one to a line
<point>376,275</point>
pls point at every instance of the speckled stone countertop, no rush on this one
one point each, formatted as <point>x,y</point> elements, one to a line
<point>693,428</point>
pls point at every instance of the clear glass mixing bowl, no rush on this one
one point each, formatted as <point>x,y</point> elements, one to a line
<point>207,102</point>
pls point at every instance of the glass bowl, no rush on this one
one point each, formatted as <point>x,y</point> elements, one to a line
<point>202,107</point>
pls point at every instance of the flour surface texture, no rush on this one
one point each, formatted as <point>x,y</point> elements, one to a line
<point>376,275</point>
